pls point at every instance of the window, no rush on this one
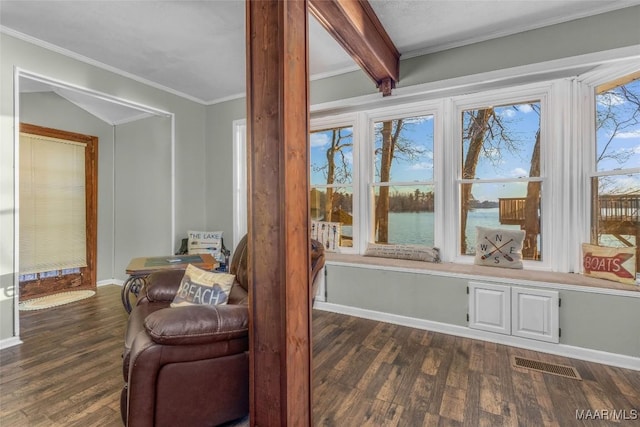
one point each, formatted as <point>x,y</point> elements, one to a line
<point>515,157</point>
<point>500,175</point>
<point>403,184</point>
<point>331,155</point>
<point>52,204</point>
<point>615,180</point>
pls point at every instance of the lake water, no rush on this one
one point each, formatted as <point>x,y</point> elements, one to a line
<point>417,227</point>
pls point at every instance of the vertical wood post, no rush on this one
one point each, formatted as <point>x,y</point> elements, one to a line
<point>278,208</point>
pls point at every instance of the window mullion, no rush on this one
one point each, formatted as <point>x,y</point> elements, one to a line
<point>540,178</point>
<point>584,143</point>
<point>557,220</point>
<point>615,172</point>
<point>401,183</point>
<point>447,230</point>
<point>365,176</point>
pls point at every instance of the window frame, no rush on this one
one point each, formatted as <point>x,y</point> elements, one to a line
<point>586,88</point>
<point>339,121</point>
<point>425,108</point>
<point>540,92</point>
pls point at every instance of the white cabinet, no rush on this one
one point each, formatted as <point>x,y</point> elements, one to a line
<point>490,307</point>
<point>534,314</point>
<point>523,312</point>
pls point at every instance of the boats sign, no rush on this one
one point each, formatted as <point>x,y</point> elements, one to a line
<point>617,264</point>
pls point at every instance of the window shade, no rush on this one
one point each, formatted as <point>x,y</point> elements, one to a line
<point>52,204</point>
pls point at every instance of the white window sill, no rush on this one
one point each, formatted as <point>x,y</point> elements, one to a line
<point>569,281</point>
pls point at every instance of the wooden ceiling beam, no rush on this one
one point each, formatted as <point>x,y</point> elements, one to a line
<point>355,26</point>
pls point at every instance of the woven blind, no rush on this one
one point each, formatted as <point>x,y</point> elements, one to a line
<point>52,204</point>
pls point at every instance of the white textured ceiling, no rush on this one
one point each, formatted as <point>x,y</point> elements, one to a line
<point>196,48</point>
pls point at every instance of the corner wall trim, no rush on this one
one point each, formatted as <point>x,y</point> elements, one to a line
<point>590,355</point>
<point>9,342</point>
<point>110,282</point>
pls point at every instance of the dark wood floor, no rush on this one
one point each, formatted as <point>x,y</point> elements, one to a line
<point>68,373</point>
<point>369,373</point>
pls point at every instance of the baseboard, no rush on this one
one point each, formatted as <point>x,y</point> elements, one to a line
<point>597,356</point>
<point>13,341</point>
<point>9,342</point>
<point>110,282</point>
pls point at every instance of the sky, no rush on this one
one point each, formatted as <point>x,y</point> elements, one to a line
<point>320,141</point>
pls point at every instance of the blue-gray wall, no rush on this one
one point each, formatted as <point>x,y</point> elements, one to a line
<point>589,320</point>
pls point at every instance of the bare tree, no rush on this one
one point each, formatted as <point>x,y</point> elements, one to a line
<point>618,110</point>
<point>394,146</point>
<point>336,170</point>
<point>488,134</point>
<point>475,133</point>
<point>389,142</point>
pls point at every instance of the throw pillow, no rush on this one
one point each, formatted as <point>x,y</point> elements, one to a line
<point>412,252</point>
<point>618,264</point>
<point>499,247</point>
<point>203,287</point>
<point>205,242</point>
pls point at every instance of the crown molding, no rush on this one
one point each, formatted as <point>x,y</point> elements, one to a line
<point>81,58</point>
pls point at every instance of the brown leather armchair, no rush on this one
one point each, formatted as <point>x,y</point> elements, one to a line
<point>190,366</point>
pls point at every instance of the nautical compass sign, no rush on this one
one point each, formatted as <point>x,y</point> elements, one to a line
<point>498,247</point>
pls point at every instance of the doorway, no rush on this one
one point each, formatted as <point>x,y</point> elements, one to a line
<point>47,267</point>
<point>136,170</point>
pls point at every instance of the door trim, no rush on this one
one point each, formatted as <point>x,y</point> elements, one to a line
<point>88,274</point>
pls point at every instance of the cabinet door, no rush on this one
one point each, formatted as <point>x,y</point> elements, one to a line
<point>535,314</point>
<point>489,307</point>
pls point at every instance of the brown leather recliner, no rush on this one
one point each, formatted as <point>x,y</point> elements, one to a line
<point>189,366</point>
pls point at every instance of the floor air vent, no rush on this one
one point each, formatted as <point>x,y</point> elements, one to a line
<point>549,368</point>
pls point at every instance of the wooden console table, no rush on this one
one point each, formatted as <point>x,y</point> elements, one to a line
<point>140,268</point>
